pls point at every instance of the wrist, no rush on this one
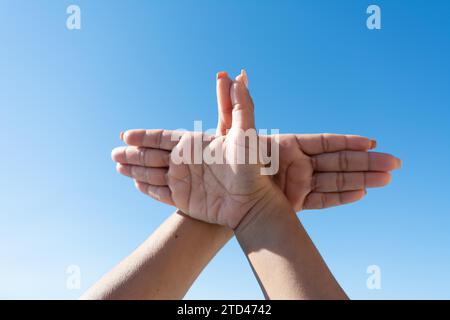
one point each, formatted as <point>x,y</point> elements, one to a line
<point>223,233</point>
<point>271,210</point>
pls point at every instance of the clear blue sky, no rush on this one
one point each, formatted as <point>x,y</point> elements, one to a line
<point>313,67</point>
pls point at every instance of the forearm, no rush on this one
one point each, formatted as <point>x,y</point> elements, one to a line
<point>166,264</point>
<point>283,257</point>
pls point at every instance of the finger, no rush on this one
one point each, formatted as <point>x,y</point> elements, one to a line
<point>355,161</point>
<point>157,139</point>
<point>139,156</point>
<point>321,200</point>
<point>243,110</point>
<point>314,144</point>
<point>154,176</point>
<point>224,105</point>
<point>160,193</point>
<point>349,181</point>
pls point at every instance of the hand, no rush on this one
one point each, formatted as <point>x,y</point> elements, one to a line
<point>318,171</point>
<point>215,193</point>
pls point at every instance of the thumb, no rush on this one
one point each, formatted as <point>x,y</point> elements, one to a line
<point>243,109</point>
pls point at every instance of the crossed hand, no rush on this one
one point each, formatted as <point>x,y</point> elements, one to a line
<point>316,171</point>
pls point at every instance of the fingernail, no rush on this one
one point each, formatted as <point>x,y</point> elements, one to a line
<point>373,144</point>
<point>244,77</point>
<point>121,135</point>
<point>399,163</point>
<point>365,191</point>
<point>221,74</point>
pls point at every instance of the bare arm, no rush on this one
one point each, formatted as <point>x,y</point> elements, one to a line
<point>283,257</point>
<point>166,264</point>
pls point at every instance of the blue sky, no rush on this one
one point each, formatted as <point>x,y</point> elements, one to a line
<point>313,67</point>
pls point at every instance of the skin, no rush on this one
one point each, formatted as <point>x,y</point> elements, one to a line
<point>323,179</point>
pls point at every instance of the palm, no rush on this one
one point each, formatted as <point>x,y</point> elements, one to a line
<point>220,193</point>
